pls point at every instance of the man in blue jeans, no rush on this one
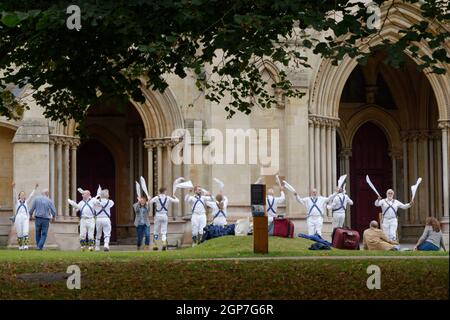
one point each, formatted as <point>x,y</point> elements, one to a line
<point>142,222</point>
<point>44,210</point>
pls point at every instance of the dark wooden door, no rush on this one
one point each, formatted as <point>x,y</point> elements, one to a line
<point>95,166</point>
<point>370,155</point>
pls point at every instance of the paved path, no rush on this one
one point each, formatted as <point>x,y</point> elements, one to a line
<point>321,258</point>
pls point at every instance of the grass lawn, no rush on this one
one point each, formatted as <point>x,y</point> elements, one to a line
<point>164,275</point>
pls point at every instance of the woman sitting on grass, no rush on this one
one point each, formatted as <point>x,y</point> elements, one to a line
<point>431,239</point>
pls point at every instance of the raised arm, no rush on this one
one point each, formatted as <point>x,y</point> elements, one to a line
<point>331,197</point>
<point>173,199</point>
<point>32,193</point>
<point>349,201</point>
<point>378,202</point>
<point>403,206</point>
<point>282,196</point>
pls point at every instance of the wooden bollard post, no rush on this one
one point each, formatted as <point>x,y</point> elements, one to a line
<point>260,229</point>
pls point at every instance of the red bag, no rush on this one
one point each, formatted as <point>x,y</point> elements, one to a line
<point>346,239</point>
<point>283,228</point>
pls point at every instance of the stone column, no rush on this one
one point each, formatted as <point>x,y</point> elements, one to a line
<point>66,165</point>
<point>159,164</point>
<point>311,153</point>
<point>333,155</point>
<point>415,138</point>
<point>329,157</point>
<point>52,167</point>
<point>317,156</point>
<point>323,159</point>
<point>132,178</point>
<point>73,165</point>
<point>59,160</point>
<point>407,215</point>
<point>150,146</point>
<point>140,157</point>
<point>445,127</point>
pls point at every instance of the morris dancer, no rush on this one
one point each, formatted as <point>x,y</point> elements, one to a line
<point>338,207</point>
<point>161,216</point>
<point>316,205</point>
<point>21,217</point>
<point>219,207</point>
<point>389,207</point>
<point>87,219</point>
<point>103,220</point>
<point>198,219</point>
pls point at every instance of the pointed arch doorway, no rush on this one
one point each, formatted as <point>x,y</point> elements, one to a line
<point>370,155</point>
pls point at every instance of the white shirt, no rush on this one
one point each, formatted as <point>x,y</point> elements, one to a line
<point>107,204</point>
<point>161,200</point>
<point>197,203</point>
<point>220,219</point>
<point>340,203</point>
<point>22,206</point>
<point>88,210</point>
<point>316,207</point>
<point>273,202</point>
<point>389,208</point>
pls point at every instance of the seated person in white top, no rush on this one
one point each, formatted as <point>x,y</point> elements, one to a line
<point>219,207</point>
<point>316,208</point>
<point>162,202</point>
<point>389,210</point>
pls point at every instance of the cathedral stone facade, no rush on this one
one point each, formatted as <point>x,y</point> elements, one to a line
<point>393,124</point>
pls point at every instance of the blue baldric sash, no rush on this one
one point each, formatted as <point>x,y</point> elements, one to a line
<point>341,200</point>
<point>199,199</point>
<point>389,207</point>
<point>21,205</point>
<point>271,205</point>
<point>163,205</point>
<point>314,206</point>
<point>86,204</point>
<point>104,210</point>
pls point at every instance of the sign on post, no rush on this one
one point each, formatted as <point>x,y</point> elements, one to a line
<point>260,229</point>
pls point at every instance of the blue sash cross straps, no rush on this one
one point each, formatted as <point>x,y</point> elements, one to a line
<point>389,207</point>
<point>341,200</point>
<point>314,206</point>
<point>163,205</point>
<point>21,205</point>
<point>270,205</point>
<point>104,210</point>
<point>199,199</point>
<point>86,204</point>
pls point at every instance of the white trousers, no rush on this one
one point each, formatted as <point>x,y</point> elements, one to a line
<point>103,225</point>
<point>389,227</point>
<point>338,219</point>
<point>198,222</point>
<point>22,225</point>
<point>87,228</point>
<point>314,225</point>
<point>161,221</point>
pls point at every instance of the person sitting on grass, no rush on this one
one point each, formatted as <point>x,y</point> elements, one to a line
<point>375,239</point>
<point>431,239</point>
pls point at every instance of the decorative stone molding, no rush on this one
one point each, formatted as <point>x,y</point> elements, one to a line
<point>323,121</point>
<point>444,124</point>
<point>151,143</point>
<point>69,141</point>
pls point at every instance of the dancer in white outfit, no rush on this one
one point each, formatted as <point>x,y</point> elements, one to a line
<point>103,220</point>
<point>273,203</point>
<point>21,217</point>
<point>87,219</point>
<point>198,218</point>
<point>316,207</point>
<point>338,207</point>
<point>389,207</point>
<point>162,202</point>
<point>219,207</point>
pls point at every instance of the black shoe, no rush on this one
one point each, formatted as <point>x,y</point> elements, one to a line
<point>106,249</point>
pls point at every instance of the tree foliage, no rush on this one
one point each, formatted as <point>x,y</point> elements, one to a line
<point>125,45</point>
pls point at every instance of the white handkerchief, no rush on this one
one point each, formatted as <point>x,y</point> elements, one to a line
<point>185,185</point>
<point>138,189</point>
<point>289,187</point>
<point>341,181</point>
<point>220,183</point>
<point>371,185</point>
<point>144,187</point>
<point>72,203</point>
<point>415,187</point>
